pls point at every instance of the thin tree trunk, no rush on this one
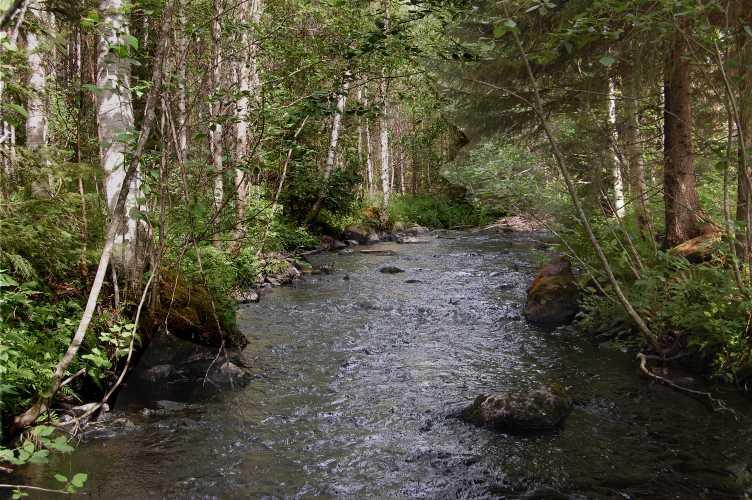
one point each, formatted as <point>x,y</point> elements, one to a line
<point>630,132</point>
<point>369,145</point>
<point>619,208</point>
<point>331,156</point>
<point>680,191</point>
<point>249,83</point>
<point>115,123</point>
<point>215,107</point>
<point>182,118</point>
<point>744,197</point>
<point>36,118</point>
<point>384,124</point>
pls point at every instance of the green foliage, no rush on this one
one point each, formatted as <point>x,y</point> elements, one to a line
<point>34,332</point>
<point>436,211</point>
<point>340,192</point>
<point>503,177</point>
<point>212,266</point>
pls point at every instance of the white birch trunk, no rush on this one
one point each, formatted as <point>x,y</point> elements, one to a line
<point>8,138</point>
<point>182,119</point>
<point>115,124</point>
<point>369,146</point>
<point>215,130</point>
<point>336,127</point>
<point>384,140</point>
<point>615,162</point>
<point>384,124</point>
<point>249,83</point>
<point>36,120</point>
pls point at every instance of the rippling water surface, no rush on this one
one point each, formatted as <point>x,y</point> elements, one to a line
<point>355,372</point>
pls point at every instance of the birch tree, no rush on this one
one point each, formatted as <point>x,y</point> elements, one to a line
<point>215,108</point>
<point>614,151</point>
<point>331,156</point>
<point>36,112</point>
<point>249,86</point>
<point>116,123</point>
<point>384,124</point>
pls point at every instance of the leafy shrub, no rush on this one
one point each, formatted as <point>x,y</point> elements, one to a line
<point>212,266</point>
<point>435,211</point>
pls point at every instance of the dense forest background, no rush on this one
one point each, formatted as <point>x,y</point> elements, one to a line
<point>156,153</point>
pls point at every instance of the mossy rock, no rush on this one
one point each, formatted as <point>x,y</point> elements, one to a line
<point>542,409</point>
<point>553,297</point>
<point>185,310</point>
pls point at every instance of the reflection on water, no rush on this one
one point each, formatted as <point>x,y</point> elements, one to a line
<point>353,380</point>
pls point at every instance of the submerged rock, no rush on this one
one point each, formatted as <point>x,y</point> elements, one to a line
<point>391,270</point>
<point>173,369</point>
<point>552,298</point>
<point>538,410</point>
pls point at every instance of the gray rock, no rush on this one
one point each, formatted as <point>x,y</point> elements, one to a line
<point>361,233</point>
<point>158,372</point>
<point>391,270</point>
<point>231,370</point>
<point>246,297</point>
<point>538,410</point>
<point>337,245</point>
<point>412,240</point>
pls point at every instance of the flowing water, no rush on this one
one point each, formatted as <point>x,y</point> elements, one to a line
<point>355,373</point>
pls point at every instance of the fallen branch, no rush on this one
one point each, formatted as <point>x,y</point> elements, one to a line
<point>32,488</point>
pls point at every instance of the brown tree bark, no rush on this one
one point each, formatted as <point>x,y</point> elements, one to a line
<point>630,133</point>
<point>679,186</point>
<point>743,197</point>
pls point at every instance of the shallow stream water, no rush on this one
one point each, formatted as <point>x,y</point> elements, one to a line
<point>355,372</point>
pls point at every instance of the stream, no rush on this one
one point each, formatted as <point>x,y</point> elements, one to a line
<point>355,372</point>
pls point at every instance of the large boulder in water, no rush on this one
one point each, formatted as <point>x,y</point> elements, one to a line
<point>538,410</point>
<point>552,298</point>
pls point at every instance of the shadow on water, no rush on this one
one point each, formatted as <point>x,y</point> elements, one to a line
<point>354,374</point>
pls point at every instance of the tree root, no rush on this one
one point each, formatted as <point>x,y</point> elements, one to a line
<point>716,404</point>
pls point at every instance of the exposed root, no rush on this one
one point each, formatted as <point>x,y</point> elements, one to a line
<point>717,404</point>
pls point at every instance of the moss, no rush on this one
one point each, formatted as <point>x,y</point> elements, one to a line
<point>186,310</point>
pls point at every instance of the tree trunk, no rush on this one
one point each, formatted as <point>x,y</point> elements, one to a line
<point>384,124</point>
<point>369,145</point>
<point>182,119</point>
<point>743,197</point>
<point>331,156</point>
<point>215,108</point>
<point>115,123</point>
<point>630,132</point>
<point>249,83</point>
<point>679,188</point>
<point>36,118</point>
<point>614,150</point>
<point>384,142</point>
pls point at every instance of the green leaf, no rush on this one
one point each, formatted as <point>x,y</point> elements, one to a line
<point>79,479</point>
<point>132,42</point>
<point>607,61</point>
<point>61,478</point>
